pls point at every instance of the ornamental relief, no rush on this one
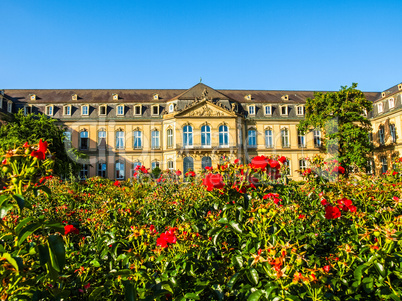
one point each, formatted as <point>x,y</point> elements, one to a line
<point>205,111</point>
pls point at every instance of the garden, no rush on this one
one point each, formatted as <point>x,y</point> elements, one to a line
<point>233,232</point>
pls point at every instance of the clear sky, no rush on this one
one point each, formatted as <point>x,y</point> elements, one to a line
<point>290,45</point>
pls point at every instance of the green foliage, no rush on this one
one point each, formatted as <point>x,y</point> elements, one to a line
<point>33,127</point>
<point>156,172</point>
<point>341,117</point>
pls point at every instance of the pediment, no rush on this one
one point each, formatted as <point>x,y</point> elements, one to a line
<point>205,109</point>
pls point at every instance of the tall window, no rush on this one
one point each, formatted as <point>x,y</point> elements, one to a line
<point>206,162</point>
<point>188,135</point>
<point>300,110</point>
<point>84,172</point>
<point>67,136</point>
<point>119,170</point>
<point>223,135</point>
<point>137,139</point>
<point>188,163</point>
<point>155,164</point>
<point>370,166</point>
<point>392,130</point>
<point>84,137</point>
<point>381,136</point>
<point>170,165</point>
<point>169,138</point>
<point>155,139</point>
<point>135,164</point>
<point>285,137</point>
<point>252,138</point>
<point>119,140</point>
<point>380,107</point>
<point>384,165</point>
<point>269,140</point>
<point>302,164</point>
<point>102,139</point>
<point>101,169</point>
<point>301,139</point>
<point>206,135</point>
<point>317,138</point>
<point>287,164</point>
<point>391,103</point>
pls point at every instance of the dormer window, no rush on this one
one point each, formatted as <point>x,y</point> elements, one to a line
<point>285,97</point>
<point>248,97</point>
<point>120,110</point>
<point>9,107</point>
<point>156,96</point>
<point>49,110</point>
<point>400,87</point>
<point>251,110</point>
<point>67,110</point>
<point>74,97</point>
<point>32,96</point>
<point>102,110</point>
<point>284,110</point>
<point>383,94</point>
<point>137,110</point>
<point>380,108</point>
<point>300,110</point>
<point>155,110</point>
<point>115,96</point>
<point>27,109</point>
<point>268,110</point>
<point>85,110</point>
<point>391,103</point>
<point>171,108</point>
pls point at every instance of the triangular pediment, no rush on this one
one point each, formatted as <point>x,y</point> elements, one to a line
<point>201,91</point>
<point>205,109</point>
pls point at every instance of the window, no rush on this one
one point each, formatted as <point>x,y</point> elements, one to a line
<point>251,110</point>
<point>240,131</point>
<point>155,139</point>
<point>301,139</point>
<point>135,164</point>
<point>300,110</point>
<point>287,170</point>
<point>27,110</point>
<point>284,110</point>
<point>384,165</point>
<point>302,164</point>
<point>1,102</point>
<point>120,110</point>
<point>101,172</point>
<point>381,136</point>
<point>187,136</point>
<point>252,138</point>
<point>102,139</point>
<point>119,170</point>
<point>223,136</point>
<point>370,137</point>
<point>84,110</point>
<point>170,165</point>
<point>380,108</point>
<point>370,166</point>
<point>268,110</point>
<point>154,165</point>
<point>392,130</point>
<point>188,164</point>
<point>169,138</point>
<point>206,162</point>
<point>84,137</point>
<point>119,140</point>
<point>10,107</point>
<point>171,108</point>
<point>391,103</point>
<point>205,136</point>
<point>269,140</point>
<point>155,110</point>
<point>84,172</point>
<point>67,110</point>
<point>317,138</point>
<point>49,110</point>
<point>102,110</point>
<point>137,140</point>
<point>285,137</point>
<point>137,110</point>
<point>67,136</point>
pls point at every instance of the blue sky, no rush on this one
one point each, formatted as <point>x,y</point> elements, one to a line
<point>291,45</point>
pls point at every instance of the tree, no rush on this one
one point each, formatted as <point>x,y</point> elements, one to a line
<point>342,117</point>
<point>30,128</point>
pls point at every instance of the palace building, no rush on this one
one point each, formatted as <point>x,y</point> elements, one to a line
<point>194,128</point>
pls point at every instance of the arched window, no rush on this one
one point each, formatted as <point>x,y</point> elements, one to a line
<point>269,140</point>
<point>169,138</point>
<point>119,170</point>
<point>252,138</point>
<point>206,162</point>
<point>170,165</point>
<point>206,135</point>
<point>137,139</point>
<point>223,136</point>
<point>285,137</point>
<point>155,139</point>
<point>188,135</point>
<point>119,140</point>
<point>84,137</point>
<point>188,163</point>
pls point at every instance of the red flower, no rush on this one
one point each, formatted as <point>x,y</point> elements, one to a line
<point>332,212</point>
<point>4,162</point>
<point>324,202</point>
<point>70,229</point>
<point>327,268</point>
<point>212,181</point>
<point>274,164</point>
<point>259,162</point>
<point>236,161</point>
<point>87,286</point>
<point>144,169</point>
<point>301,216</point>
<point>178,172</point>
<point>167,237</point>
<point>190,174</point>
<point>26,145</point>
<point>306,172</point>
<point>338,169</point>
<point>282,159</point>
<point>152,228</point>
<point>41,152</point>
<point>394,173</point>
<point>116,183</point>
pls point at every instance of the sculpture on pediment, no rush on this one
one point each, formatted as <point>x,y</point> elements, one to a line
<point>204,111</point>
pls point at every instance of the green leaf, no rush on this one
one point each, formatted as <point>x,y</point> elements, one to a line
<point>359,272</point>
<point>215,238</point>
<point>96,293</point>
<point>11,261</point>
<point>380,269</point>
<point>253,276</point>
<point>20,200</point>
<point>4,210</point>
<point>28,230</point>
<point>57,252</point>
<point>95,263</point>
<point>236,227</point>
<point>192,296</point>
<point>232,280</point>
<point>46,190</point>
<point>43,254</point>
<point>223,220</point>
<point>255,296</point>
<point>3,198</point>
<point>129,291</point>
<point>368,284</point>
